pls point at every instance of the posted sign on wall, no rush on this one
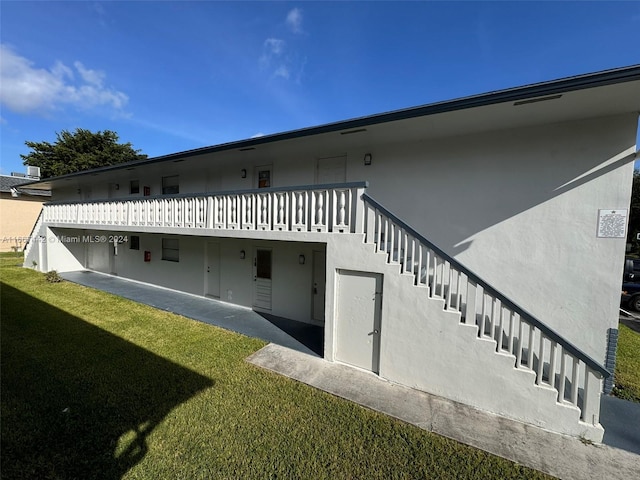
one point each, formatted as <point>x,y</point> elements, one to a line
<point>612,223</point>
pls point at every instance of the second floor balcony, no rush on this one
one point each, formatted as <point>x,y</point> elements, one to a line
<point>312,208</point>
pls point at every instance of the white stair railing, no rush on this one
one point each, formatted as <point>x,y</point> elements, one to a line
<point>556,362</point>
<point>31,241</point>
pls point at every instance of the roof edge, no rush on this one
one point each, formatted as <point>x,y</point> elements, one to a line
<point>550,87</point>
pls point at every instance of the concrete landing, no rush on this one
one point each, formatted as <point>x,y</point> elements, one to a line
<point>558,455</point>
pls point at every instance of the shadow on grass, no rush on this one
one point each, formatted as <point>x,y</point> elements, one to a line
<point>77,401</point>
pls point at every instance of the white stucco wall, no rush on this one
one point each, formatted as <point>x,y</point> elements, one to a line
<point>64,250</point>
<point>520,209</point>
<point>291,282</point>
<point>236,274</point>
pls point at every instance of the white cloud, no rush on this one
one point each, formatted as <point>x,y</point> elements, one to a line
<point>273,58</point>
<point>26,89</point>
<point>60,70</point>
<point>282,71</point>
<point>294,20</point>
<point>274,46</point>
<point>258,135</point>
<point>278,58</point>
<point>90,76</point>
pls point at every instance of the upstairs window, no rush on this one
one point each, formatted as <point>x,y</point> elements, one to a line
<point>170,185</point>
<point>134,187</point>
<point>264,177</point>
<point>171,249</point>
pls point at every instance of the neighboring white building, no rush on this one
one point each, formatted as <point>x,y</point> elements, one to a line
<point>471,248</point>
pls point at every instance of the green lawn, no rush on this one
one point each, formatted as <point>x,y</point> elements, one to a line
<point>95,386</point>
<point>627,374</point>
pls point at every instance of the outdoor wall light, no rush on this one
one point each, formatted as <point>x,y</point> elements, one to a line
<point>367,159</point>
<point>242,254</point>
<point>243,173</point>
<point>301,259</point>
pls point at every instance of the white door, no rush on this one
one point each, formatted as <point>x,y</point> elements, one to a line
<point>213,270</point>
<point>331,170</point>
<point>262,278</point>
<point>319,281</point>
<point>100,255</point>
<point>359,305</point>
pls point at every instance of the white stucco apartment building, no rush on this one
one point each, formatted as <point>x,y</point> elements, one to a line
<point>471,248</point>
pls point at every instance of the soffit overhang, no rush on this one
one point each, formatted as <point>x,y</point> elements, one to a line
<point>602,94</point>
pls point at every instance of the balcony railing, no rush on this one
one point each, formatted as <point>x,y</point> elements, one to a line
<point>314,208</point>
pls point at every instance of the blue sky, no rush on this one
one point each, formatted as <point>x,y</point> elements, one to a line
<point>172,76</point>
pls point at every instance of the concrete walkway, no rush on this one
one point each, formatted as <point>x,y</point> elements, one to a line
<point>621,422</point>
<point>558,455</point>
<point>230,317</point>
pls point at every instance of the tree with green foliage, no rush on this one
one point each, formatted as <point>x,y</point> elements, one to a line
<point>79,150</point>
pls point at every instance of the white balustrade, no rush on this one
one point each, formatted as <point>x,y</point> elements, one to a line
<point>340,210</point>
<point>263,202</point>
<point>220,212</point>
<point>318,213</point>
<point>311,209</point>
<point>233,221</point>
<point>248,207</point>
<point>280,211</point>
<point>300,211</point>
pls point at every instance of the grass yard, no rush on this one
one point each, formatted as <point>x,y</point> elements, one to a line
<point>627,374</point>
<point>95,386</point>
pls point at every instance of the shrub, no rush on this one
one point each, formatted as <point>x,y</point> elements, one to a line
<point>53,277</point>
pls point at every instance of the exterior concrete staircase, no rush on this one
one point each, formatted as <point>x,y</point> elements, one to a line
<point>447,332</point>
